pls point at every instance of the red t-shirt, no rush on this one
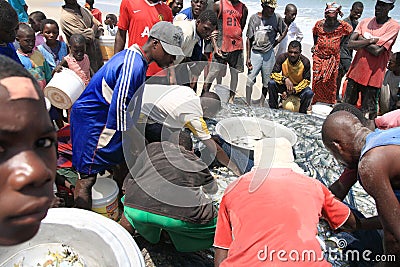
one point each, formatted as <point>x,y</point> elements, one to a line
<point>367,69</point>
<point>137,17</point>
<point>97,14</point>
<point>277,209</point>
<point>231,30</point>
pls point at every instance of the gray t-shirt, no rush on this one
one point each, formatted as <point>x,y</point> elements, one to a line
<point>264,31</point>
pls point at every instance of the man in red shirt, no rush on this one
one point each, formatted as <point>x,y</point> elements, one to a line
<point>373,39</point>
<point>136,18</point>
<point>232,16</point>
<point>276,209</point>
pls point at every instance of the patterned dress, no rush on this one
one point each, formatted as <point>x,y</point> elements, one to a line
<point>326,59</point>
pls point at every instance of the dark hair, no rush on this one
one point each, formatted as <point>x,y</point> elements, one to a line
<point>295,44</point>
<point>37,15</point>
<point>208,15</point>
<point>397,56</point>
<point>351,109</point>
<point>90,2</point>
<point>288,6</point>
<point>8,16</point>
<point>25,28</point>
<point>357,4</point>
<point>77,39</point>
<point>48,21</point>
<point>10,68</point>
<point>112,16</point>
<point>182,138</point>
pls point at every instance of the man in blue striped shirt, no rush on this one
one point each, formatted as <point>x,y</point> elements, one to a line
<point>110,105</point>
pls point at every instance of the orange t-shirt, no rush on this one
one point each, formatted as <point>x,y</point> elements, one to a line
<point>277,209</point>
<point>137,17</point>
<point>367,69</point>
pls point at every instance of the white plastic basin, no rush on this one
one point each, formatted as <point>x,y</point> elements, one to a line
<point>97,240</point>
<point>244,132</point>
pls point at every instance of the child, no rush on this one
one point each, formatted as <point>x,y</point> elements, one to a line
<point>35,20</point>
<point>28,161</point>
<point>53,50</point>
<point>8,25</point>
<point>111,22</point>
<point>31,58</point>
<point>77,60</point>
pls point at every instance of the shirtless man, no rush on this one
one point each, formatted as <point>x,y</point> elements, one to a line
<point>376,155</point>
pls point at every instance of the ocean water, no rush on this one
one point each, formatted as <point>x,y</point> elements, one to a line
<point>308,12</point>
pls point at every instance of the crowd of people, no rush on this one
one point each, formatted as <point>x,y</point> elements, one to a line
<point>139,112</point>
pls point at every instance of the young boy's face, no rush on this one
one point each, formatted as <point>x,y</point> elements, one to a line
<point>50,32</point>
<point>78,50</point>
<point>35,24</point>
<point>7,34</point>
<point>26,41</point>
<point>27,160</point>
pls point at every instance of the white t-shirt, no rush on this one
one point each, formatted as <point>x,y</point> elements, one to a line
<point>190,38</point>
<point>175,106</point>
<point>294,33</point>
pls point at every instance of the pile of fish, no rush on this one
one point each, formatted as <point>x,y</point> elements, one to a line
<point>310,154</point>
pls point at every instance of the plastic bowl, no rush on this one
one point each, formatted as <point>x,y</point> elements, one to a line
<point>244,132</point>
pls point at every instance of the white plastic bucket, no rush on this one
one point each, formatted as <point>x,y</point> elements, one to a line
<point>104,198</point>
<point>223,92</point>
<point>64,89</point>
<point>107,46</point>
<point>48,103</point>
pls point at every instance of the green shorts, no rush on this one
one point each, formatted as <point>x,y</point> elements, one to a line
<point>186,237</point>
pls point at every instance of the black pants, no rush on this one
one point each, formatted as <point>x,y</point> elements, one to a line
<point>369,97</point>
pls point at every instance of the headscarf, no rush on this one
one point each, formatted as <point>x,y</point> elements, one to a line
<point>332,7</point>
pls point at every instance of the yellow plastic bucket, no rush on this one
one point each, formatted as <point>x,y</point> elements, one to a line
<point>107,46</point>
<point>105,198</point>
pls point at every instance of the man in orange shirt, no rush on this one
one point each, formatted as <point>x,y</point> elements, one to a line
<point>373,39</point>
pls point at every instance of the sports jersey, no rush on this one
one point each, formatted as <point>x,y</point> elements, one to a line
<point>137,17</point>
<point>231,34</point>
<point>299,73</point>
<point>101,113</point>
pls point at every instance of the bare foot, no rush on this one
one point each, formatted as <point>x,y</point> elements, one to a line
<point>83,193</point>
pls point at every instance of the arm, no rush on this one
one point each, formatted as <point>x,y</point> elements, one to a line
<point>341,187</point>
<point>120,40</point>
<point>244,17</point>
<point>221,155</point>
<point>283,30</point>
<point>59,67</point>
<point>376,169</point>
<point>357,41</point>
<point>220,255</point>
<point>248,53</point>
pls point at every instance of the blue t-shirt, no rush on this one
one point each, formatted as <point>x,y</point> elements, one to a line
<point>9,51</point>
<point>50,56</point>
<point>188,12</point>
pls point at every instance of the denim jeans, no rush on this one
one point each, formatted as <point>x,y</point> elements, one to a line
<point>261,61</point>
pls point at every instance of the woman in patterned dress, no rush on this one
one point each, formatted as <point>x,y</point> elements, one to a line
<point>327,33</point>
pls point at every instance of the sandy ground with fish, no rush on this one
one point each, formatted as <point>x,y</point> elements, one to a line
<point>315,160</point>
